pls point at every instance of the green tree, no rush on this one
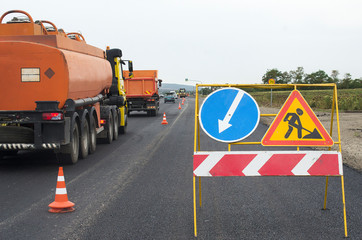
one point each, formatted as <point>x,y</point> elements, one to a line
<point>277,75</point>
<point>205,90</point>
<point>286,78</point>
<point>297,76</point>
<point>317,77</point>
<point>357,83</point>
<point>346,81</point>
<point>334,76</point>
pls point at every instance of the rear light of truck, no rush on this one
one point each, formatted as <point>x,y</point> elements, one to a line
<point>53,116</point>
<point>151,100</point>
<point>103,121</point>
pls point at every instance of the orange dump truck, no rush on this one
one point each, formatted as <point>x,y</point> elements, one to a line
<point>57,91</point>
<point>142,91</point>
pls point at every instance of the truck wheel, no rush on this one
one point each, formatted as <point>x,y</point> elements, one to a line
<point>92,136</point>
<point>69,153</point>
<point>110,128</point>
<point>153,112</point>
<point>84,138</point>
<point>115,124</point>
<point>157,109</point>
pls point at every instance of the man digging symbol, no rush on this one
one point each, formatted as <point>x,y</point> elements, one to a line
<point>293,120</point>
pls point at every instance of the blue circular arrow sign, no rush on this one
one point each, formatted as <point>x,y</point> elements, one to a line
<point>229,115</point>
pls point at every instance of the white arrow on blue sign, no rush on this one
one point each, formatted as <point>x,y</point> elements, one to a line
<point>229,115</point>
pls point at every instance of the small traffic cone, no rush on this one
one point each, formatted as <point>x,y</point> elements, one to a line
<point>183,100</point>
<point>164,122</point>
<point>61,203</point>
<point>179,105</point>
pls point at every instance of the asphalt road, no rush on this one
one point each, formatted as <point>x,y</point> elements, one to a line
<point>140,187</point>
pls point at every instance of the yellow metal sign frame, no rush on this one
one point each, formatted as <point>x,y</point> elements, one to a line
<point>334,113</point>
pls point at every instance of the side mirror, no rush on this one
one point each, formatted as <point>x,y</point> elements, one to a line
<point>159,82</point>
<point>130,69</point>
<point>130,66</point>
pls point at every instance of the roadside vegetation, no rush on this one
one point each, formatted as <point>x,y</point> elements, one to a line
<point>299,76</point>
<point>348,99</point>
<point>349,90</point>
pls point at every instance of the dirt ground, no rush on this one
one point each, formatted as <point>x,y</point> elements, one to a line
<point>351,133</point>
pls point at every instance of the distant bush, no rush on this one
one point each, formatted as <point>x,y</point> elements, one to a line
<point>328,101</point>
<point>348,99</point>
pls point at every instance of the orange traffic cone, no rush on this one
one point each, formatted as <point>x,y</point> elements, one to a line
<point>179,106</point>
<point>164,122</point>
<point>61,203</point>
<point>183,100</point>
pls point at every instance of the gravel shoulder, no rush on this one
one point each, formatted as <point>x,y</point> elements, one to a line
<point>350,129</point>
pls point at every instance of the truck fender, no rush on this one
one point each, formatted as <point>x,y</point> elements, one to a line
<point>108,133</point>
<point>69,153</point>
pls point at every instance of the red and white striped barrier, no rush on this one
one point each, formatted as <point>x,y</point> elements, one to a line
<point>268,163</point>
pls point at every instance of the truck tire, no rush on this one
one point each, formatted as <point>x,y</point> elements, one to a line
<point>84,138</point>
<point>110,127</point>
<point>69,153</point>
<point>92,135</point>
<point>154,112</point>
<point>116,123</point>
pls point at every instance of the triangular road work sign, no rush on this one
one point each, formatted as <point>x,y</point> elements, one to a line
<point>296,125</point>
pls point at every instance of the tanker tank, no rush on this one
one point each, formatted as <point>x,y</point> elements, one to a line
<point>47,65</point>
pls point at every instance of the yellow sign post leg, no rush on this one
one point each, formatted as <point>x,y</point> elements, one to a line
<point>344,208</point>
<point>200,192</point>
<point>325,195</point>
<point>195,220</point>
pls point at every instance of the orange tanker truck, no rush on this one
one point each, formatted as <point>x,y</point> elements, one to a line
<point>57,91</point>
<point>142,91</point>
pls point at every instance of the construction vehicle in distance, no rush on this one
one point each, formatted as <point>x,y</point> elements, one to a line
<point>182,92</point>
<point>57,91</point>
<point>142,91</point>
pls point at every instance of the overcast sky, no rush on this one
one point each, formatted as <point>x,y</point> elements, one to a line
<point>226,41</point>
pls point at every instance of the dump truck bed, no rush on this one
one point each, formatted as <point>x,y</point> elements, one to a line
<point>140,87</point>
<point>143,84</point>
